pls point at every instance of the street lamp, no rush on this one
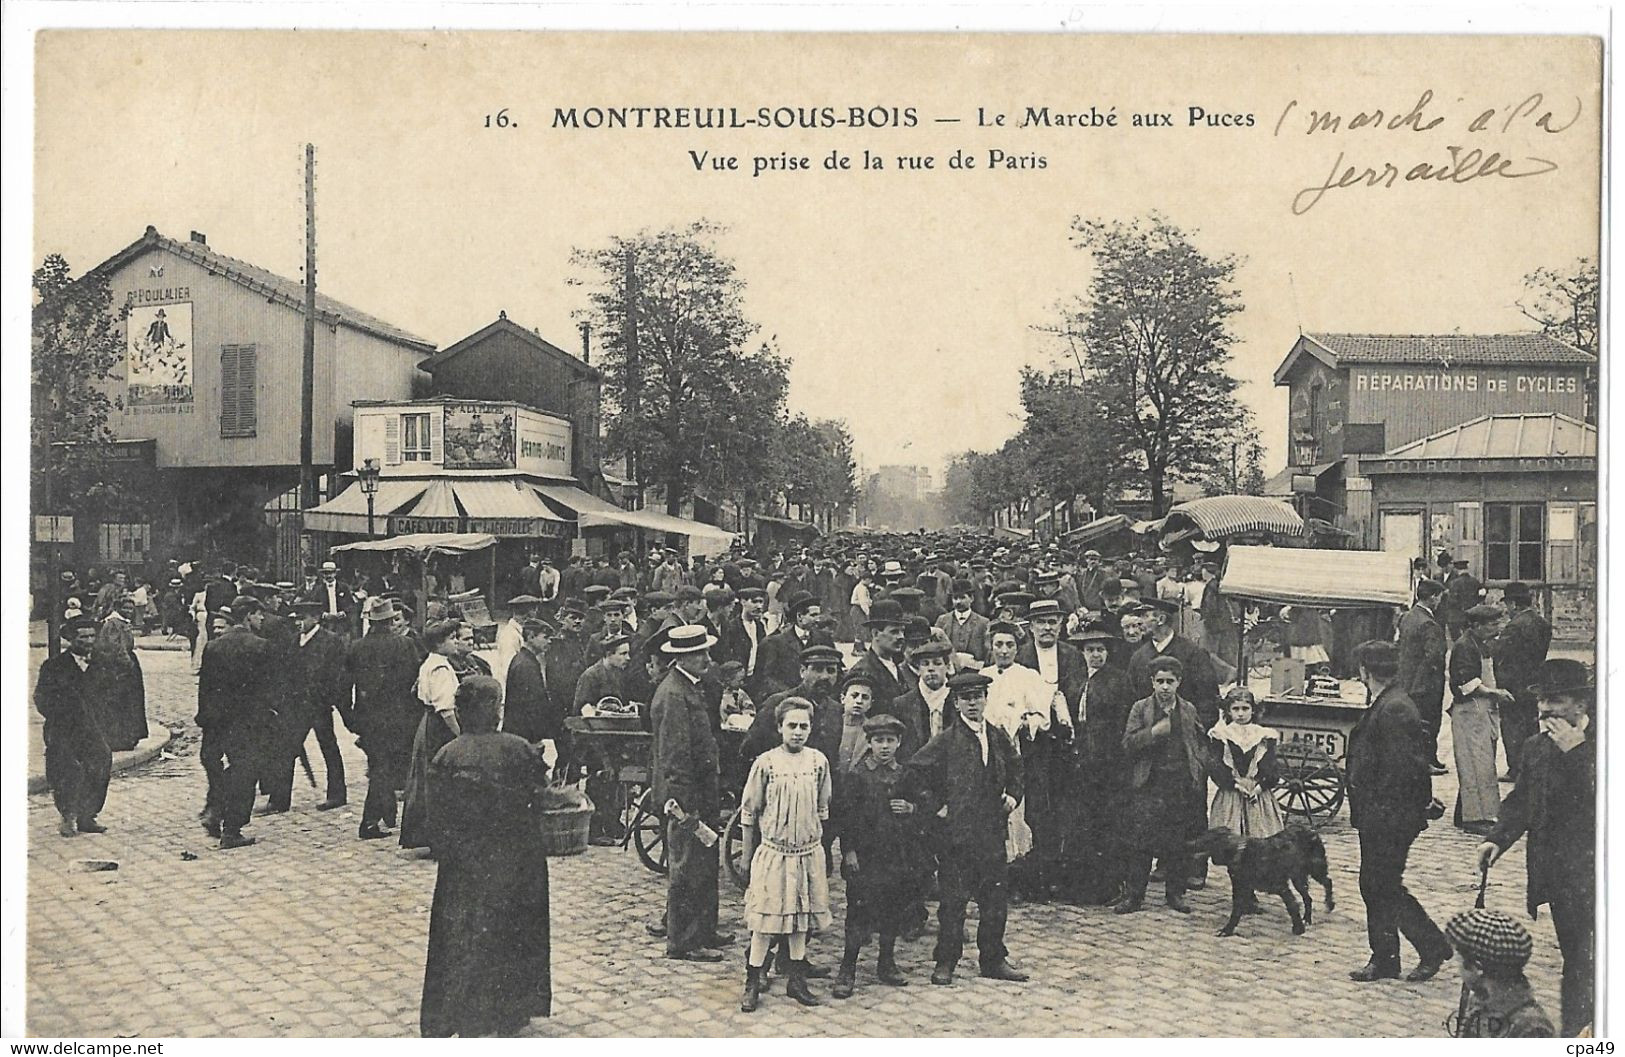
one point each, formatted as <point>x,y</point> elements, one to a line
<point>369,486</point>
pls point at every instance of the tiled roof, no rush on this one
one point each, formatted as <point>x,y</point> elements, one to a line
<point>1506,437</point>
<point>286,291</point>
<point>1450,349</point>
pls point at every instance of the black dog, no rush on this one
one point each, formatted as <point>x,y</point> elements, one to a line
<point>1275,864</point>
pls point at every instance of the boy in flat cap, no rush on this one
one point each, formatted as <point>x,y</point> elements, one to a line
<point>1555,804</point>
<point>1496,1000</point>
<point>971,769</point>
<point>878,857</point>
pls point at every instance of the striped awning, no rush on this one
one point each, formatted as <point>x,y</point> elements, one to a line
<point>1231,515</point>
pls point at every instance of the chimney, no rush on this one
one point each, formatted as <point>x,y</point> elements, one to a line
<point>586,342</point>
<point>200,238</point>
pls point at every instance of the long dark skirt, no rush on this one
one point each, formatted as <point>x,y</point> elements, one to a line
<point>432,736</point>
<point>490,960</point>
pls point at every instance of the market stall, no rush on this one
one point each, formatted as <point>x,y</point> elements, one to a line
<point>1314,721</point>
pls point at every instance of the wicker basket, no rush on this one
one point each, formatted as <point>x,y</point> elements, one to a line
<point>564,830</point>
<point>613,722</point>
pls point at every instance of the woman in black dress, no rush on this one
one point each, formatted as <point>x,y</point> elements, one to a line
<point>489,963</point>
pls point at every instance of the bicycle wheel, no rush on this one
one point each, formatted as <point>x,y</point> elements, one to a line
<point>649,833</point>
<point>733,849</point>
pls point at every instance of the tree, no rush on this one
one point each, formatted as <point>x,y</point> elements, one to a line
<point>689,398</point>
<point>1565,303</point>
<point>1068,441</point>
<point>1152,340</point>
<point>1568,306</point>
<point>76,343</point>
<point>1252,467</point>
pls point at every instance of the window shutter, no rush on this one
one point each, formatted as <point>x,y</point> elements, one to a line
<point>247,390</point>
<point>392,440</point>
<point>238,390</point>
<point>228,391</point>
<point>437,437</point>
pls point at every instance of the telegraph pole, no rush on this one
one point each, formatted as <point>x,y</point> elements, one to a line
<point>634,373</point>
<point>307,411</point>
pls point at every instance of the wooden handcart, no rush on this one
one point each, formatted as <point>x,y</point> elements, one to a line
<point>624,753</point>
<point>1314,730</point>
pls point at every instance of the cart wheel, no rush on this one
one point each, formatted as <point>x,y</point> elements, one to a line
<point>649,833</point>
<point>1311,784</point>
<point>733,849</point>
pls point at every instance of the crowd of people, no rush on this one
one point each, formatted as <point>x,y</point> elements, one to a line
<point>968,720</point>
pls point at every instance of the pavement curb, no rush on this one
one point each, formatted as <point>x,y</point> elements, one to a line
<point>148,750</point>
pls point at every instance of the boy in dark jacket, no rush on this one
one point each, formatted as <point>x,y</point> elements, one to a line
<point>879,860</point>
<point>972,770</point>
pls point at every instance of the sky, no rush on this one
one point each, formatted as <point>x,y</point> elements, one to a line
<point>907,300</point>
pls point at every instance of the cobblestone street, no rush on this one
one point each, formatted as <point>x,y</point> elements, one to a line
<point>312,932</point>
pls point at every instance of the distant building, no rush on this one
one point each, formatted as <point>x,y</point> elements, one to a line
<point>905,482</point>
<point>209,398</point>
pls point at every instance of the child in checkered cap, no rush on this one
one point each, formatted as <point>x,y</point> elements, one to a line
<point>1496,1000</point>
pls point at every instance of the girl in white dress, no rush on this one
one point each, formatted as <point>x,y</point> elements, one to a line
<point>782,813</point>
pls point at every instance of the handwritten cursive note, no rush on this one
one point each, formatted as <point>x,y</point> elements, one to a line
<point>1451,157</point>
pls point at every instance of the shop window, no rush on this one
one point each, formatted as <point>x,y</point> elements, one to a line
<point>1515,541</point>
<point>124,542</point>
<point>1571,542</point>
<point>239,383</point>
<point>415,443</point>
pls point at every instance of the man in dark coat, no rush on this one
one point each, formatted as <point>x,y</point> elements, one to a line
<point>575,578</point>
<point>531,707</point>
<point>1200,683</point>
<point>1421,664</point>
<point>820,667</point>
<point>686,784</point>
<point>78,763</point>
<point>1389,790</point>
<point>241,691</point>
<point>566,660</point>
<point>973,770</point>
<point>883,660</point>
<point>335,596</point>
<point>1519,653</point>
<point>321,685</point>
<point>966,629</point>
<point>1462,592</point>
<point>778,661</point>
<point>1093,857</point>
<point>383,664</point>
<point>1555,804</point>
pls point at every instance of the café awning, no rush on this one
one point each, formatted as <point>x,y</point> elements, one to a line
<point>506,507</point>
<point>593,512</point>
<point>347,512</point>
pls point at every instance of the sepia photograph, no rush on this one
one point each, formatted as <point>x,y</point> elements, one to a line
<point>581,534</point>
